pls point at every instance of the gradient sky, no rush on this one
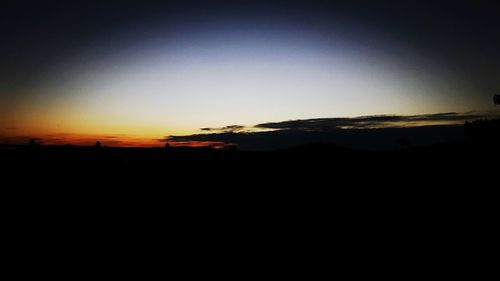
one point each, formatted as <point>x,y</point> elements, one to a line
<point>139,70</point>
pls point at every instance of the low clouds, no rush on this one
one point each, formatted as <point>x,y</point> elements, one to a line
<point>373,122</point>
<point>365,132</point>
<point>231,128</point>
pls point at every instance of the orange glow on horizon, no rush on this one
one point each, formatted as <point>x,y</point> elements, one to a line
<point>105,140</point>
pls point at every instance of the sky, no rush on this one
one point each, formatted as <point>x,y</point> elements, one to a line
<point>133,72</point>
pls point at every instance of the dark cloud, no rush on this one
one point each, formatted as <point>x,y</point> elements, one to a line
<point>231,128</point>
<point>366,132</point>
<point>370,122</point>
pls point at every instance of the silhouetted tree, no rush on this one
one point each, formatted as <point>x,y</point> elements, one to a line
<point>97,144</point>
<point>167,145</point>
<point>496,99</point>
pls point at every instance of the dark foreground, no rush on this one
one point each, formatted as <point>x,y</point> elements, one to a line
<point>315,163</point>
<point>463,174</point>
<point>415,200</point>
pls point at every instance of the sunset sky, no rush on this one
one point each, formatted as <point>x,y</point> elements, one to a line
<point>133,72</point>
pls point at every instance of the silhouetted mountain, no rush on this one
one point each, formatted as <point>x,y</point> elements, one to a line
<point>365,139</point>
